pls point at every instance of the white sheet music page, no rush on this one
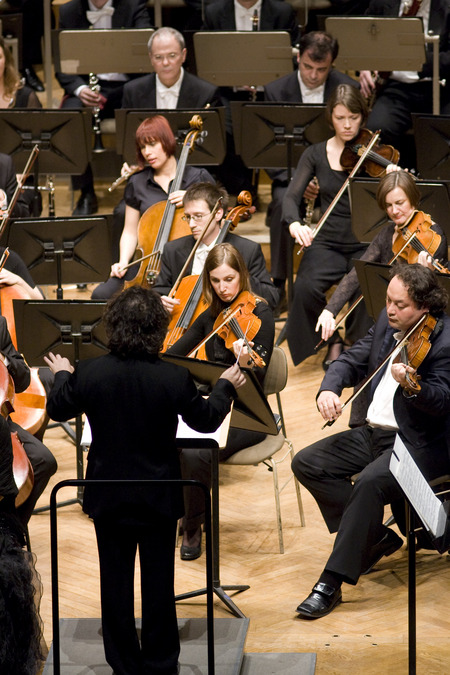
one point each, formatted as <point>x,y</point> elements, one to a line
<point>427,506</point>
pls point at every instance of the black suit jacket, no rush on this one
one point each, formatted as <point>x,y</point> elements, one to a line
<point>423,420</point>
<point>287,88</point>
<point>8,183</point>
<point>176,252</point>
<point>133,406</point>
<point>194,92</point>
<point>275,15</point>
<point>439,24</point>
<point>72,16</point>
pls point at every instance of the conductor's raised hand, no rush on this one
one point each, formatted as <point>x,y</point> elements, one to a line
<point>234,375</point>
<point>329,405</point>
<point>57,363</point>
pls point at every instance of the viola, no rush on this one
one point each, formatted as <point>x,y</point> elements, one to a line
<point>415,351</point>
<point>22,469</point>
<point>163,222</point>
<point>377,159</point>
<point>189,289</point>
<point>238,322</point>
<point>419,236</point>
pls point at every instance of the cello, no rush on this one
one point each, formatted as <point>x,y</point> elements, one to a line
<point>163,222</point>
<point>189,289</point>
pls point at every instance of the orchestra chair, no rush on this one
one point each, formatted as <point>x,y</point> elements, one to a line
<point>263,452</point>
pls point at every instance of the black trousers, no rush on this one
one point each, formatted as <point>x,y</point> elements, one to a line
<point>355,511</point>
<point>118,541</point>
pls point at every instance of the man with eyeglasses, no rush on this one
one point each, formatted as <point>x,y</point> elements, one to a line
<point>198,202</point>
<point>170,86</point>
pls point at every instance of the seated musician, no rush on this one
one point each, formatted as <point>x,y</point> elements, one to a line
<point>155,147</point>
<point>199,201</point>
<point>225,278</point>
<point>42,461</point>
<point>419,415</point>
<point>399,196</point>
<point>20,629</point>
<point>127,518</point>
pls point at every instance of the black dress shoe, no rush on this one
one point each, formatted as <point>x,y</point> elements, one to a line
<point>390,543</point>
<point>86,205</point>
<point>191,552</point>
<point>320,602</point>
<point>32,79</point>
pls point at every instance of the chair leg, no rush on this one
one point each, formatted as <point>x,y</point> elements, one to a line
<point>297,488</point>
<point>276,489</point>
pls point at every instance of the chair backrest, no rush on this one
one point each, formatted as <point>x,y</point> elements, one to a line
<point>277,372</point>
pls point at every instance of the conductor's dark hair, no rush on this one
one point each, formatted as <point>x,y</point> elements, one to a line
<point>319,44</point>
<point>400,179</point>
<point>423,287</point>
<point>136,323</point>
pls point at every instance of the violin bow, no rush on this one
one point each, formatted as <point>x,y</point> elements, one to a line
<point>174,288</point>
<point>19,188</point>
<point>353,172</point>
<point>201,344</point>
<point>394,352</point>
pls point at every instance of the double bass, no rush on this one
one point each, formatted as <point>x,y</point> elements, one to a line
<point>163,222</point>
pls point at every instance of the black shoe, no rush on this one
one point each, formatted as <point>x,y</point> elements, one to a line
<point>86,205</point>
<point>390,543</point>
<point>191,552</point>
<point>320,602</point>
<point>32,80</point>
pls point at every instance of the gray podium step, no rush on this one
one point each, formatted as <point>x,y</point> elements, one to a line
<point>82,647</point>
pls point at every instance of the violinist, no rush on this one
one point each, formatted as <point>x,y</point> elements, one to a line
<point>327,257</point>
<point>355,511</point>
<point>198,202</point>
<point>155,148</point>
<point>225,278</point>
<point>399,196</point>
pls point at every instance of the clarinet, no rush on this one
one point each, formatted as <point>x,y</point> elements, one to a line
<point>98,143</point>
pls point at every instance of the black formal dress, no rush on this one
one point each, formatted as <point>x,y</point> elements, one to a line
<point>176,252</point>
<point>286,89</point>
<point>356,512</point>
<point>133,405</point>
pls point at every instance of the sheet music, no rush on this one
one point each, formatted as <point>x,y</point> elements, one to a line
<point>219,436</point>
<point>427,506</point>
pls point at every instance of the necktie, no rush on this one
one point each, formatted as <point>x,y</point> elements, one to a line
<point>94,16</point>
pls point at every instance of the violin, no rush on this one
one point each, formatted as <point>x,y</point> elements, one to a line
<point>22,469</point>
<point>377,159</point>
<point>238,322</point>
<point>415,351</point>
<point>420,237</point>
<point>189,289</point>
<point>163,221</point>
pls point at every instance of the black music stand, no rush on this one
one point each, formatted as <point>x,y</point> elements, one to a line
<point>374,279</point>
<point>74,329</point>
<point>61,136</point>
<point>368,218</point>
<point>209,150</point>
<point>58,251</point>
<point>250,411</point>
<point>432,136</point>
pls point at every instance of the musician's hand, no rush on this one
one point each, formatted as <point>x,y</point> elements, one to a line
<point>90,98</point>
<point>302,234</point>
<point>366,82</point>
<point>57,363</point>
<point>169,304</point>
<point>9,278</point>
<point>240,350</point>
<point>312,190</point>
<point>234,375</point>
<point>327,322</point>
<point>117,270</point>
<point>425,259</point>
<point>399,370</point>
<point>177,197</point>
<point>3,201</point>
<point>127,168</point>
<point>329,405</point>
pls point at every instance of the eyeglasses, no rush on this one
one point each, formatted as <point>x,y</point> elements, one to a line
<point>159,58</point>
<point>196,217</point>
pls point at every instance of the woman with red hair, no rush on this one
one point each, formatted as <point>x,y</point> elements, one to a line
<point>155,156</point>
